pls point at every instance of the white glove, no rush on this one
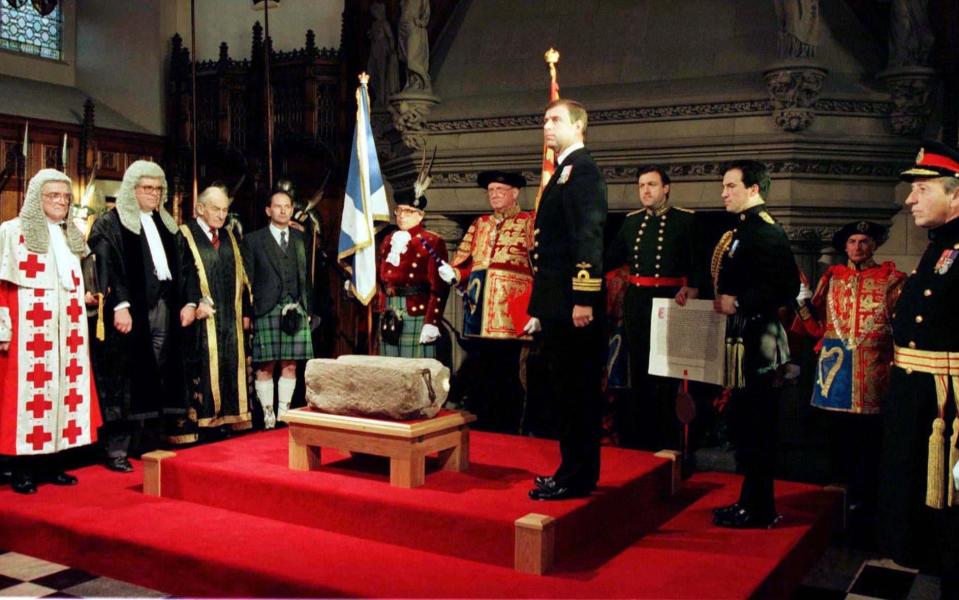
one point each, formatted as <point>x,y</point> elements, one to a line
<point>804,293</point>
<point>430,334</point>
<point>447,273</point>
<point>955,475</point>
<point>532,326</point>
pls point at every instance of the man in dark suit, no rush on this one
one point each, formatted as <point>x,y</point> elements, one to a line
<point>276,265</point>
<point>754,274</point>
<point>567,303</point>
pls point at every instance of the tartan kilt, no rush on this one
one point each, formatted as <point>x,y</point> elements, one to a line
<point>270,343</point>
<point>409,346</point>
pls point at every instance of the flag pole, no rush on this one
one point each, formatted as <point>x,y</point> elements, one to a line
<point>25,151</point>
<point>552,58</point>
<point>369,328</point>
<point>269,95</point>
<point>193,117</point>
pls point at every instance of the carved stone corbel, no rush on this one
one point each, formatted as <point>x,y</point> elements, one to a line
<point>409,110</point>
<point>910,88</point>
<point>794,88</point>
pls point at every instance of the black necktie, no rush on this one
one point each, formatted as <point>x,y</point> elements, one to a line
<point>284,244</point>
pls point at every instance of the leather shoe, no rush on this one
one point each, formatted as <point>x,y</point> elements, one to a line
<point>744,519</point>
<point>555,492</point>
<point>23,484</point>
<point>120,464</point>
<point>724,511</point>
<point>63,478</point>
<point>544,481</point>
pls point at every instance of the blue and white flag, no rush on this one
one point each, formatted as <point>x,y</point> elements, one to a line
<point>364,204</point>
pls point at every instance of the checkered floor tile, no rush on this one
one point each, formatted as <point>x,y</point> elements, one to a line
<point>841,574</point>
<point>844,574</point>
<point>24,576</point>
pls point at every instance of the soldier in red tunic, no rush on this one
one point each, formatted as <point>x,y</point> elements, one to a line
<point>850,316</point>
<point>415,295</point>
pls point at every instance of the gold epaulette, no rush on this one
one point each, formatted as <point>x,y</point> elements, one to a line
<point>635,212</point>
<point>685,210</point>
<point>765,216</point>
<point>584,283</point>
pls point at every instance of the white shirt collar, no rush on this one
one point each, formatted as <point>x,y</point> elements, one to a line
<point>276,233</point>
<point>205,227</point>
<point>568,151</point>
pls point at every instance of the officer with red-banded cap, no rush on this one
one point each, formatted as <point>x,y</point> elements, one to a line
<point>918,499</point>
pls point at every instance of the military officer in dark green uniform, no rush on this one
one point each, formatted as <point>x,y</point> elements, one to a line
<point>567,301</point>
<point>918,500</point>
<point>754,274</point>
<point>661,245</point>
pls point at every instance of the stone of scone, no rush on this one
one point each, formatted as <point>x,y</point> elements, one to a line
<point>381,387</point>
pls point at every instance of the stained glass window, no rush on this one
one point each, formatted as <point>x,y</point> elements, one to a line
<point>24,30</point>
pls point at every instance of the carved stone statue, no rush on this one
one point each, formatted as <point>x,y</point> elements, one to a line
<point>798,27</point>
<point>382,66</point>
<point>910,34</point>
<point>414,44</point>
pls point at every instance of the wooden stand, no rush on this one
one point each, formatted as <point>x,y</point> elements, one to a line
<point>405,443</point>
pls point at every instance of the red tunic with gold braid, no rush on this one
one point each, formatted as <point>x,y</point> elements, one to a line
<point>493,259</point>
<point>416,277</point>
<point>853,308</point>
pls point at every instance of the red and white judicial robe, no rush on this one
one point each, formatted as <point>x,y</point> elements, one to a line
<point>48,402</point>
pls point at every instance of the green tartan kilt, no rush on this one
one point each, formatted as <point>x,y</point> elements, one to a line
<point>270,343</point>
<point>409,346</point>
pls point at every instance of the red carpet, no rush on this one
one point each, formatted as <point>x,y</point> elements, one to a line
<point>468,514</point>
<point>106,526</point>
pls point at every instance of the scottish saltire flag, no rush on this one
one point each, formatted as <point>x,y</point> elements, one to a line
<point>364,204</point>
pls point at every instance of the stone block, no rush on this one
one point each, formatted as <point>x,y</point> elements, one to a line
<point>377,386</point>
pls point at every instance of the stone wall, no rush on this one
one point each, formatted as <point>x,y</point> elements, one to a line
<point>683,84</point>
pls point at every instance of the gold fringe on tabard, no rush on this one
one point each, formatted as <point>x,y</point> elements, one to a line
<point>101,331</point>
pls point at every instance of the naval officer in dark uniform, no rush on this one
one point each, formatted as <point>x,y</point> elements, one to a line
<point>661,244</point>
<point>754,274</point>
<point>567,300</point>
<point>918,500</point>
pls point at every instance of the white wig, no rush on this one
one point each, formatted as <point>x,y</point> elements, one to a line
<point>128,209</point>
<point>33,222</point>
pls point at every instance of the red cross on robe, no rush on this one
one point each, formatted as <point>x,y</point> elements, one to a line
<point>74,310</point>
<point>73,400</point>
<point>38,345</point>
<point>38,315</point>
<point>74,370</point>
<point>39,376</point>
<point>31,266</point>
<point>39,405</point>
<point>38,437</point>
<point>74,341</point>
<point>71,432</point>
